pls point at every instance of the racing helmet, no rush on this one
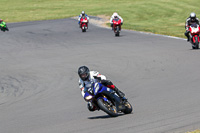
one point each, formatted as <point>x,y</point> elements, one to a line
<point>1,20</point>
<point>193,16</point>
<point>115,15</point>
<point>84,73</point>
<point>83,13</point>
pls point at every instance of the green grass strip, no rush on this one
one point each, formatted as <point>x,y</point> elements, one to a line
<point>196,131</point>
<point>155,16</point>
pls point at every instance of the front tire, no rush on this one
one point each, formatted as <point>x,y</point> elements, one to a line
<point>109,109</point>
<point>84,29</point>
<point>196,43</point>
<point>117,31</point>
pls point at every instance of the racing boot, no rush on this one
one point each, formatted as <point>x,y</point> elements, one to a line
<point>110,85</point>
<point>111,25</point>
<point>187,35</point>
<point>119,93</point>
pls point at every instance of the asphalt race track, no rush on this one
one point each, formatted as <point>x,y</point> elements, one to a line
<point>39,90</point>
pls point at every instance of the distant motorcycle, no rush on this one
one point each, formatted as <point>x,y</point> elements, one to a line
<point>194,35</point>
<point>117,26</point>
<point>107,100</point>
<point>5,28</point>
<point>84,24</point>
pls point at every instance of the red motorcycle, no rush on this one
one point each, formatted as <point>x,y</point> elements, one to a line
<point>84,24</point>
<point>194,35</point>
<point>117,26</point>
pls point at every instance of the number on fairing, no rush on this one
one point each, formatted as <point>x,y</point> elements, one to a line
<point>194,30</point>
<point>96,87</point>
<point>90,90</point>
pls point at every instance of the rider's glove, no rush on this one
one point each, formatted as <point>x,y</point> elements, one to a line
<point>121,23</point>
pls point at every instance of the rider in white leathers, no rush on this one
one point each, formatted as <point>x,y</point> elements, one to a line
<point>115,15</point>
<point>87,77</point>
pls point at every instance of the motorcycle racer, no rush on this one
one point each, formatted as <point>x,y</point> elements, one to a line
<point>114,16</point>
<point>87,77</point>
<point>2,25</point>
<point>189,21</point>
<point>82,15</point>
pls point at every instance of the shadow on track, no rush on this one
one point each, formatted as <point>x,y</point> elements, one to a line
<point>104,117</point>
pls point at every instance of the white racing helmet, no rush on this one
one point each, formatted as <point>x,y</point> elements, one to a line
<point>193,16</point>
<point>83,13</point>
<point>115,14</point>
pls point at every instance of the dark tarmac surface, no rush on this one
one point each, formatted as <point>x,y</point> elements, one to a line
<point>39,90</point>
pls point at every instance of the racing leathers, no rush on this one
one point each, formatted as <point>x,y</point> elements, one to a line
<point>80,16</point>
<point>96,77</point>
<point>115,15</point>
<point>2,26</point>
<point>189,22</point>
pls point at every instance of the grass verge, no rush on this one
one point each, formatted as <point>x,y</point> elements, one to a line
<point>156,16</point>
<point>165,17</point>
<point>196,131</point>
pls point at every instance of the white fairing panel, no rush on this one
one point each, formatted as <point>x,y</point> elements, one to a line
<point>96,86</point>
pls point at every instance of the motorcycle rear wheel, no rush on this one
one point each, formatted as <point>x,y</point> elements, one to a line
<point>128,109</point>
<point>109,109</point>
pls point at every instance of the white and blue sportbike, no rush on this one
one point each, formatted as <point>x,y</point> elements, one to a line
<point>107,100</point>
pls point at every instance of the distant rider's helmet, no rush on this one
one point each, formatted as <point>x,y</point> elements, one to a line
<point>83,13</point>
<point>193,16</point>
<point>115,15</point>
<point>84,73</point>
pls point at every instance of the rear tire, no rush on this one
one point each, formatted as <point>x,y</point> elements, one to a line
<point>128,109</point>
<point>110,110</point>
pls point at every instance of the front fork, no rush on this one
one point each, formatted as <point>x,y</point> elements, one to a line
<point>115,27</point>
<point>193,38</point>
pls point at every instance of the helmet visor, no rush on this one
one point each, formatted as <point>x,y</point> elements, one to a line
<point>83,76</point>
<point>193,18</point>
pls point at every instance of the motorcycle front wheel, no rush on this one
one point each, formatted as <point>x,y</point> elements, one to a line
<point>117,31</point>
<point>84,29</point>
<point>195,44</point>
<point>110,109</point>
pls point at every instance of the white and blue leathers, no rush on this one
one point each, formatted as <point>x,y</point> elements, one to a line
<point>86,84</point>
<point>79,18</point>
